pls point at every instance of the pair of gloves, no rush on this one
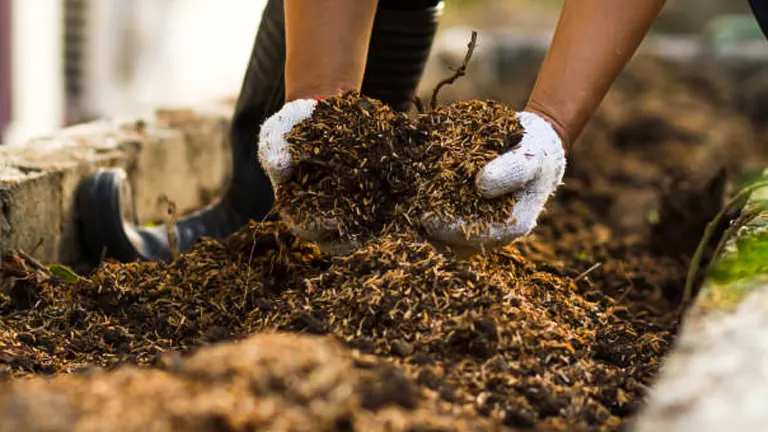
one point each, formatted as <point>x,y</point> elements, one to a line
<point>531,173</point>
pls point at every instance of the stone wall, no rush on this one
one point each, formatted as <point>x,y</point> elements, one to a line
<point>180,154</point>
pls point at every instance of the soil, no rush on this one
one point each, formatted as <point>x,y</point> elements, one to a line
<point>564,330</point>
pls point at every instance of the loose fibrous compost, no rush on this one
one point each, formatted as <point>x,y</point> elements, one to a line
<point>365,167</point>
<point>564,330</point>
<point>504,337</point>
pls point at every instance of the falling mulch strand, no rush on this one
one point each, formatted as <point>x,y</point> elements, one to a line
<point>362,168</point>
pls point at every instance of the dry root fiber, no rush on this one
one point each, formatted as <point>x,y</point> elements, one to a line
<point>363,168</point>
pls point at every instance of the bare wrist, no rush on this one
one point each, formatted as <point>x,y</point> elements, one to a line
<point>558,126</point>
<point>312,90</point>
<point>312,93</point>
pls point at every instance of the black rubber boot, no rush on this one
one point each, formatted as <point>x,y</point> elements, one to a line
<point>402,36</point>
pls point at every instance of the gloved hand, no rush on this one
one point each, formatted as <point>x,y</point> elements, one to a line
<point>277,162</point>
<point>274,155</point>
<point>531,173</point>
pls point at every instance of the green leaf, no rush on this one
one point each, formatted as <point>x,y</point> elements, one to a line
<point>64,272</point>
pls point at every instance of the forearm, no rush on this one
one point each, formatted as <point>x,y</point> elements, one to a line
<point>592,44</point>
<point>326,46</point>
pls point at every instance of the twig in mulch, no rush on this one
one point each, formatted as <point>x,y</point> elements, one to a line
<point>629,280</point>
<point>33,262</point>
<point>460,72</point>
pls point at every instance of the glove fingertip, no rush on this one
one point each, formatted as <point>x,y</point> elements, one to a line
<point>440,230</point>
<point>487,186</point>
<point>503,175</point>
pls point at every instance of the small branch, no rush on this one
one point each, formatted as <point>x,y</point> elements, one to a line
<point>460,72</point>
<point>629,288</point>
<point>34,263</point>
<point>419,105</point>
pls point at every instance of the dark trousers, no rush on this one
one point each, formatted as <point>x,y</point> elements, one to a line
<point>760,8</point>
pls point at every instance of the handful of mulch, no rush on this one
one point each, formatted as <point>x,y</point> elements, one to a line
<point>462,139</point>
<point>353,165</point>
<point>369,168</point>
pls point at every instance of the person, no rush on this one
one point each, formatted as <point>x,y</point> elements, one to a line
<point>309,50</point>
<point>327,44</point>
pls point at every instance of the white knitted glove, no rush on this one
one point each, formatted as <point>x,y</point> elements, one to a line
<point>531,173</point>
<point>273,149</point>
<point>277,162</point>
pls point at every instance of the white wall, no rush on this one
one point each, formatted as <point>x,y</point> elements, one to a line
<point>140,54</point>
<point>169,52</point>
<point>37,85</point>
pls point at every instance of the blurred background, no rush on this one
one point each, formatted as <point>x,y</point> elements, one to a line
<point>69,61</point>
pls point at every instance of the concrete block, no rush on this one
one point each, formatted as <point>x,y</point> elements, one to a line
<point>716,378</point>
<point>183,155</point>
<point>31,212</point>
<point>52,168</point>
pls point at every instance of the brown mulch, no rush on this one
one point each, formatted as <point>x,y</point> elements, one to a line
<point>561,331</point>
<point>362,168</point>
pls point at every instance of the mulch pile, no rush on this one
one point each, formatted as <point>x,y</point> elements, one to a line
<point>517,337</point>
<point>362,168</point>
<point>564,330</point>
